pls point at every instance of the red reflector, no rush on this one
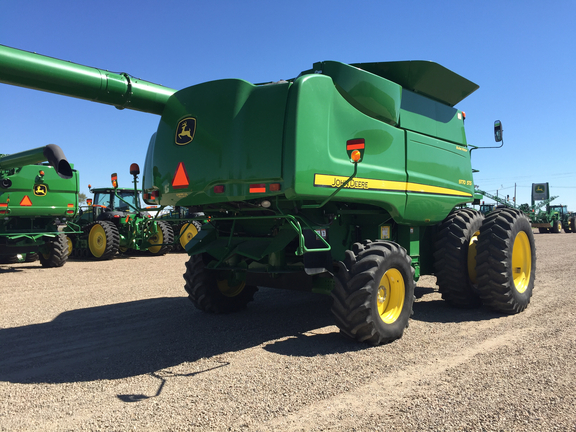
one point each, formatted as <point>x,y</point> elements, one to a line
<point>274,187</point>
<point>26,201</point>
<point>355,144</point>
<point>154,195</point>
<point>3,208</point>
<point>117,216</point>
<point>258,188</point>
<point>70,211</point>
<point>180,179</point>
<point>219,189</point>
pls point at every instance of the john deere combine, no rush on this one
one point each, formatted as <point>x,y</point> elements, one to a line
<point>36,201</point>
<point>349,179</point>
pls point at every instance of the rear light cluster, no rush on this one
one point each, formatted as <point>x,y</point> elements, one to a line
<point>254,188</point>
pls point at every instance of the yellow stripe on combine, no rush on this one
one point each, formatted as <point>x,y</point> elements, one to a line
<point>324,180</point>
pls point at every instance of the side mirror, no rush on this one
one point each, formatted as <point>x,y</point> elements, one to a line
<point>498,131</point>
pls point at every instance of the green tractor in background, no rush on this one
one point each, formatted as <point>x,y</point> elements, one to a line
<point>349,179</point>
<point>549,218</point>
<point>37,200</point>
<point>115,222</point>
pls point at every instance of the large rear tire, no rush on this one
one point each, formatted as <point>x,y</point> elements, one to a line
<point>215,291</point>
<point>103,240</point>
<point>455,258</point>
<point>506,261</point>
<point>374,292</point>
<point>164,238</point>
<point>556,227</point>
<point>55,252</point>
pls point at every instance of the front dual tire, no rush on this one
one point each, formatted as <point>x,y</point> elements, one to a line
<point>490,261</point>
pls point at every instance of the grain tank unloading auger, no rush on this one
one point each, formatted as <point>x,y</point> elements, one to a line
<point>348,179</point>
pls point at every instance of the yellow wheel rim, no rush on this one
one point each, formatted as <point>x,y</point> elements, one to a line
<point>472,257</point>
<point>187,233</point>
<point>70,246</point>
<point>157,238</point>
<point>97,240</point>
<point>391,296</point>
<point>521,262</point>
<point>230,290</point>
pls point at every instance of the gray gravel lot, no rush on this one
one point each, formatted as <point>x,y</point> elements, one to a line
<point>117,346</point>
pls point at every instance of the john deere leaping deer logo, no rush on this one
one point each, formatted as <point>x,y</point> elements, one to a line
<point>185,131</point>
<point>539,189</point>
<point>40,190</point>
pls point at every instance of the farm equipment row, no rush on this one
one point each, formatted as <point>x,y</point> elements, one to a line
<point>349,180</point>
<point>547,218</point>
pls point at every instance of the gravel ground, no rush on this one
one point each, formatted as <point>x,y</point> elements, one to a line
<point>117,346</point>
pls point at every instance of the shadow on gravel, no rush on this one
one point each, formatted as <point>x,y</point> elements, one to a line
<point>142,337</point>
<point>438,311</point>
<point>129,339</point>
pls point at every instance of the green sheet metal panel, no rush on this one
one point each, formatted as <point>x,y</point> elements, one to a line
<point>439,177</point>
<point>319,123</point>
<point>237,141</point>
<point>374,96</point>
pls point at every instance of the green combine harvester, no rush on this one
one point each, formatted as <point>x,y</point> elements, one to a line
<point>38,196</point>
<point>349,179</point>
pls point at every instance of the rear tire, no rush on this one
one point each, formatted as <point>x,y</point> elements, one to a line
<point>506,261</point>
<point>556,227</point>
<point>374,292</point>
<point>215,291</point>
<point>455,258</point>
<point>57,252</point>
<point>165,235</point>
<point>103,240</point>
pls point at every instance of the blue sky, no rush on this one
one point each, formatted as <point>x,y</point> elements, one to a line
<point>520,53</point>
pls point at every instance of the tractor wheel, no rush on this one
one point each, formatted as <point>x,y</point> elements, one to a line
<point>187,232</point>
<point>30,256</point>
<point>543,230</point>
<point>164,235</point>
<point>455,257</point>
<point>56,253</point>
<point>506,261</point>
<point>374,292</point>
<point>9,259</point>
<point>573,225</point>
<point>556,227</point>
<point>70,243</point>
<point>103,240</point>
<point>215,291</point>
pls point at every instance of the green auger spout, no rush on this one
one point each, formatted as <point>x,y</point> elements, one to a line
<point>38,72</point>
